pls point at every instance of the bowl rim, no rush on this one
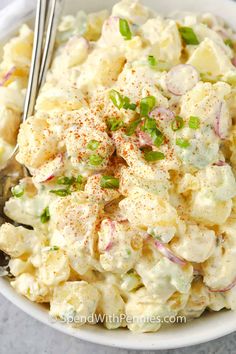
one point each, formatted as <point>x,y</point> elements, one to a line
<point>126,339</point>
<point>122,338</point>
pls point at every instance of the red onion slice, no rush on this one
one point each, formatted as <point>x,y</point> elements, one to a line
<point>163,114</point>
<point>168,254</point>
<point>217,124</point>
<point>111,224</point>
<point>227,288</point>
<point>144,139</point>
<point>234,61</point>
<point>7,76</point>
<point>181,78</point>
<point>220,163</point>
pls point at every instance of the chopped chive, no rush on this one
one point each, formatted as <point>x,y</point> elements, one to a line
<point>177,124</point>
<point>114,124</point>
<point>45,216</point>
<point>95,160</point>
<point>188,35</point>
<point>152,60</point>
<point>17,191</point>
<point>65,180</point>
<point>109,182</point>
<point>93,145</point>
<point>121,102</point>
<point>116,98</point>
<point>79,179</point>
<point>54,248</point>
<point>194,122</point>
<point>183,143</point>
<point>158,138</point>
<point>125,29</point>
<point>229,42</point>
<point>61,192</point>
<point>150,127</point>
<point>152,156</point>
<point>130,129</point>
<point>128,105</point>
<point>146,105</point>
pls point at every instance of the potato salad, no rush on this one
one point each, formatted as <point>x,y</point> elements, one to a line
<point>130,206</point>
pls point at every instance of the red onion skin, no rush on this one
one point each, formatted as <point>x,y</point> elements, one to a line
<point>112,230</point>
<point>217,123</point>
<point>167,253</point>
<point>229,287</point>
<point>7,76</point>
<point>220,163</point>
<point>234,61</point>
<point>162,113</point>
<point>144,139</point>
<point>175,90</point>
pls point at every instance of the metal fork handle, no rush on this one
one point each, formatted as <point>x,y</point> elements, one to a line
<point>32,88</point>
<point>53,19</point>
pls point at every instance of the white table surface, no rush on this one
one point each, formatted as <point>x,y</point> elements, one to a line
<point>20,334</point>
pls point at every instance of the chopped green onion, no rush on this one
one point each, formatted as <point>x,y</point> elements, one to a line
<point>152,60</point>
<point>152,156</point>
<point>194,122</point>
<point>109,182</point>
<point>125,29</point>
<point>61,192</point>
<point>146,105</point>
<point>229,42</point>
<point>45,216</point>
<point>150,127</point>
<point>114,124</point>
<point>79,179</point>
<point>54,248</point>
<point>121,102</point>
<point>183,143</point>
<point>65,180</point>
<point>177,124</point>
<point>17,191</point>
<point>149,124</point>
<point>188,35</point>
<point>116,98</point>
<point>95,160</point>
<point>130,129</point>
<point>158,138</point>
<point>93,145</point>
<point>128,105</point>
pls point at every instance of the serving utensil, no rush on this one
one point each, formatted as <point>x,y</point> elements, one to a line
<point>46,21</point>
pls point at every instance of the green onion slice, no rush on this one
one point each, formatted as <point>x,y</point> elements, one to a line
<point>61,192</point>
<point>188,35</point>
<point>194,122</point>
<point>177,124</point>
<point>116,98</point>
<point>45,216</point>
<point>152,60</point>
<point>183,143</point>
<point>65,180</point>
<point>152,156</point>
<point>95,160</point>
<point>125,29</point>
<point>146,105</point>
<point>114,124</point>
<point>17,191</point>
<point>109,182</point>
<point>130,129</point>
<point>93,145</point>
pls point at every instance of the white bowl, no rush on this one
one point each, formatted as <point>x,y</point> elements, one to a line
<point>208,327</point>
